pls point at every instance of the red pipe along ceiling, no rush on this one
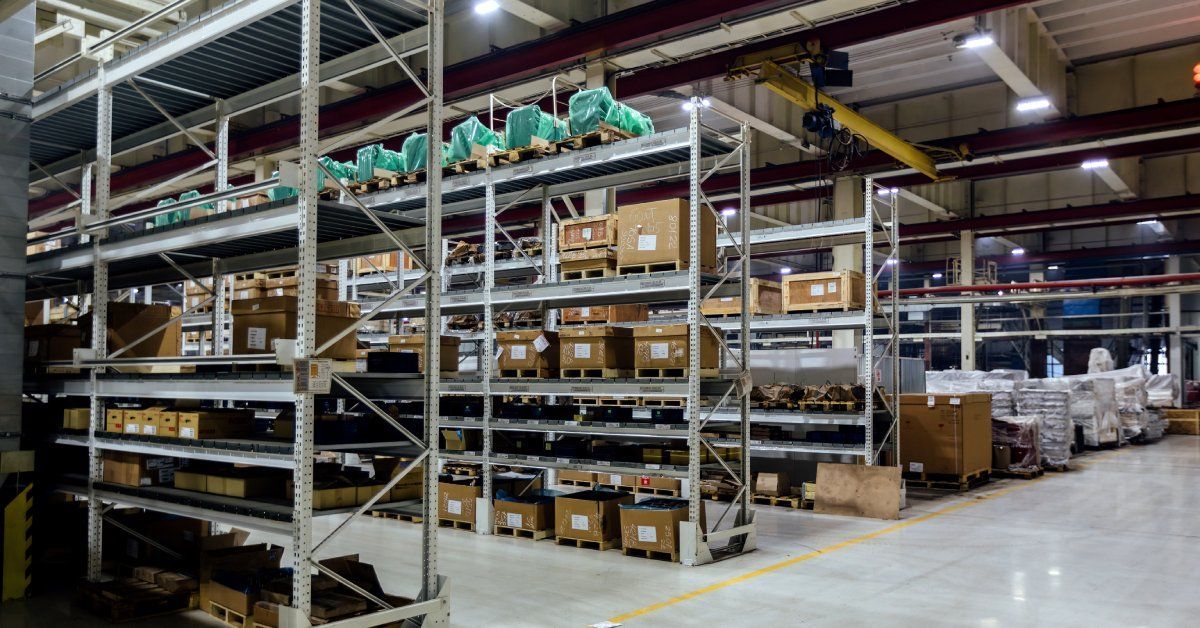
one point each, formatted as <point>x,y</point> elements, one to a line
<point>1107,282</point>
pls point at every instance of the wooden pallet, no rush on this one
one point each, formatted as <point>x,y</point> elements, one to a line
<point>660,492</point>
<point>671,557</point>
<point>517,155</point>
<point>673,373</point>
<point>606,401</point>
<point>457,525</point>
<point>847,306</point>
<point>596,373</point>
<point>829,406</point>
<point>582,483</point>
<point>374,185</point>
<point>228,616</point>
<point>468,470</point>
<point>526,373</point>
<point>664,402</point>
<point>587,544</point>
<point>659,267</point>
<point>1020,474</point>
<point>122,601</point>
<point>786,501</point>
<point>777,405</point>
<point>398,516</point>
<point>596,272</point>
<point>947,482</point>
<point>522,533</point>
<point>520,324</point>
<point>529,252</point>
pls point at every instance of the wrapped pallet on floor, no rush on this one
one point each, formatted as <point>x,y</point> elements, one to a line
<point>1055,426</point>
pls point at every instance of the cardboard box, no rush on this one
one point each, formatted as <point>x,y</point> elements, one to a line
<point>77,418</point>
<point>587,232</point>
<point>258,323</point>
<point>147,420</point>
<point>946,434</point>
<point>836,290</point>
<point>135,420</point>
<point>666,347</point>
<point>653,525</point>
<point>253,483</point>
<point>527,350</point>
<point>44,343</point>
<point>456,501</point>
<point>166,421</point>
<point>114,420</point>
<point>217,556</point>
<point>658,232</point>
<point>236,600</point>
<point>649,481</point>
<point>327,288</point>
<point>534,513</point>
<point>201,424</point>
<point>590,515</point>
<point>766,297</point>
<point>458,439</point>
<point>191,481</point>
<point>598,347</point>
<point>174,582</point>
<point>415,343</point>
<point>138,470</point>
<point>606,314</point>
<point>409,487</point>
<point>774,484</point>
<point>129,321</point>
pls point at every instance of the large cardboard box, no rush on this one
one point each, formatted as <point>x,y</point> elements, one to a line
<point>44,343</point>
<point>527,350</point>
<point>533,513</point>
<point>191,481</point>
<point>138,470</point>
<point>409,487</point>
<point>659,232</point>
<point>415,343</point>
<point>653,525</point>
<point>200,424</point>
<point>590,515</point>
<point>599,347</point>
<point>666,347</point>
<point>606,314</point>
<point>327,288</point>
<point>114,420</point>
<point>456,501</point>
<point>218,556</point>
<point>77,418</point>
<point>258,323</point>
<point>129,321</point>
<point>774,484</point>
<point>946,434</point>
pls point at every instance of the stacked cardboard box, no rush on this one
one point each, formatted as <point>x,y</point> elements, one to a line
<point>662,351</point>
<point>415,343</point>
<point>138,470</point>
<point>129,321</point>
<point>596,352</point>
<point>656,236</point>
<point>652,525</point>
<point>44,343</point>
<point>528,350</point>
<point>258,323</point>
<point>590,516</point>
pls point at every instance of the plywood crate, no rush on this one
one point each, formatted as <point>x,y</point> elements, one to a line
<point>587,264</point>
<point>1182,421</point>
<point>835,290</point>
<point>606,314</point>
<point>587,232</point>
<point>656,237</point>
<point>384,262</point>
<point>766,297</point>
<point>662,351</point>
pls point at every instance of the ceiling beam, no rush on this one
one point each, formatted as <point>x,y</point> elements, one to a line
<point>532,14</point>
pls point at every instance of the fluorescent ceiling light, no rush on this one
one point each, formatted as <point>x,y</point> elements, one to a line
<point>786,270</point>
<point>1093,164</point>
<point>1052,268</point>
<point>728,211</point>
<point>1037,103</point>
<point>1148,223</point>
<point>891,261</point>
<point>486,6</point>
<point>975,40</point>
<point>1018,251</point>
<point>937,275</point>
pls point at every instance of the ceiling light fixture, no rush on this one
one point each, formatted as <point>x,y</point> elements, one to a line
<point>1036,103</point>
<point>487,6</point>
<point>973,40</point>
<point>1093,164</point>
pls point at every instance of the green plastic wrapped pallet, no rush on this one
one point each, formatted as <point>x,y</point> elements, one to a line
<point>376,156</point>
<point>190,194</point>
<point>469,133</point>
<point>338,169</point>
<point>413,152</point>
<point>528,122</point>
<point>590,107</point>
<point>163,220</point>
<point>281,192</point>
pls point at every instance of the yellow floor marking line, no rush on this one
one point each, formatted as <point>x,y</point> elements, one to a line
<point>965,503</point>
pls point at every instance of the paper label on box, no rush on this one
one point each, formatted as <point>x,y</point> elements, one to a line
<point>131,428</point>
<point>586,232</point>
<point>149,429</point>
<point>579,522</point>
<point>916,467</point>
<point>614,479</point>
<point>33,348</point>
<point>647,242</point>
<point>726,299</point>
<point>955,401</point>
<point>583,351</point>
<point>513,519</point>
<point>256,338</point>
<point>816,290</point>
<point>540,343</point>
<point>585,311</point>
<point>517,352</point>
<point>454,506</point>
<point>187,432</point>
<point>647,534</point>
<point>659,350</point>
<point>831,287</point>
<point>929,401</point>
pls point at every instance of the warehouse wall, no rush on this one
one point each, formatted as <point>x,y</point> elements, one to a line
<point>16,84</point>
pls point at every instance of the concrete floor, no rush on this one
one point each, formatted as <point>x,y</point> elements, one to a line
<point>1114,543</point>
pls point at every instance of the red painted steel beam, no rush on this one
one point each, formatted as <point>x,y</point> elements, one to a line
<point>1053,257</point>
<point>1108,282</point>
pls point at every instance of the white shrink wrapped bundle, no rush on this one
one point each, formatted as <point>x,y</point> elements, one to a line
<point>1020,435</point>
<point>1100,361</point>
<point>999,383</point>
<point>1056,428</point>
<point>1162,390</point>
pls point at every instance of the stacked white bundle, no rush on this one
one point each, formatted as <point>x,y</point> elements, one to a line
<point>998,383</point>
<point>1056,429</point>
<point>1162,390</point>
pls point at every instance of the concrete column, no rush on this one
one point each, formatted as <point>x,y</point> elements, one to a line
<point>1174,303</point>
<point>966,244</point>
<point>17,31</point>
<point>848,203</point>
<point>599,202</point>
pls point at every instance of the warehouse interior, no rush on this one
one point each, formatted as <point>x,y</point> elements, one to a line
<point>748,313</point>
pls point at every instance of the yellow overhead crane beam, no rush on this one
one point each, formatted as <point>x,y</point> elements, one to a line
<point>766,69</point>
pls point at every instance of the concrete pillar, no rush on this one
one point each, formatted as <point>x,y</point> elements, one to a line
<point>848,203</point>
<point>599,202</point>
<point>966,244</point>
<point>1174,303</point>
<point>17,30</point>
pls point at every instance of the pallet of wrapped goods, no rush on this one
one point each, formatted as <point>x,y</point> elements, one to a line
<point>766,297</point>
<point>1055,427</point>
<point>1021,438</point>
<point>842,290</point>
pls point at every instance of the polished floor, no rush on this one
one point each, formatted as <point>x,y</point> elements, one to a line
<point>1115,542</point>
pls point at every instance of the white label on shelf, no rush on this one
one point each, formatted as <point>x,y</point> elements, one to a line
<point>256,338</point>
<point>149,429</point>
<point>816,290</point>
<point>614,478</point>
<point>454,506</point>
<point>540,343</point>
<point>131,428</point>
<point>33,348</point>
<point>585,311</point>
<point>516,352</point>
<point>583,350</point>
<point>831,288</point>
<point>916,467</point>
<point>187,432</point>
<point>579,522</point>
<point>654,466</point>
<point>955,401</point>
<point>647,242</point>
<point>659,350</point>
<point>512,519</point>
<point>586,232</point>
<point>647,534</point>
<point>726,299</point>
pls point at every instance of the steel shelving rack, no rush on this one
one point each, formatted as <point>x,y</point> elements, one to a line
<point>103,245</point>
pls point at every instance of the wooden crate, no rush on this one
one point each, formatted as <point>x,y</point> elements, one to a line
<point>1182,421</point>
<point>606,314</point>
<point>766,297</point>
<point>587,264</point>
<point>837,290</point>
<point>587,232</point>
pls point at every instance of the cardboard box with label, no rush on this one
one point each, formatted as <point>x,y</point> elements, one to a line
<point>135,421</point>
<point>44,343</point>
<point>653,524</point>
<point>114,420</point>
<point>658,232</point>
<point>527,350</point>
<point>606,314</point>
<point>535,513</point>
<point>666,347</point>
<point>201,424</point>
<point>327,287</point>
<point>138,470</point>
<point>590,515</point>
<point>645,482</point>
<point>599,347</point>
<point>456,501</point>
<point>946,434</point>
<point>415,343</point>
<point>129,321</point>
<point>165,420</point>
<point>773,484</point>
<point>258,323</point>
